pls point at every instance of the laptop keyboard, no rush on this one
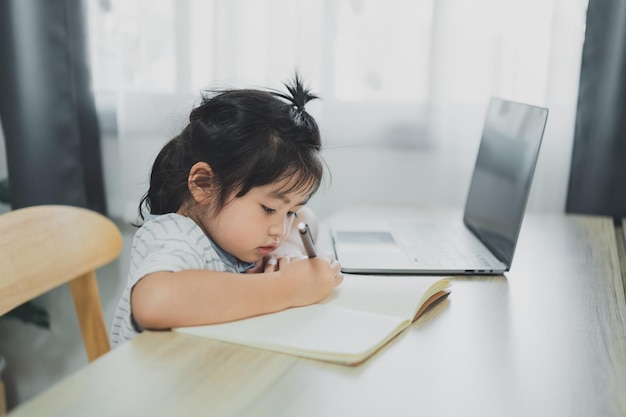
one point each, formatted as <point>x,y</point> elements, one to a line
<point>441,246</point>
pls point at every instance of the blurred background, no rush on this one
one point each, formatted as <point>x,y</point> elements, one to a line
<point>404,84</point>
<point>92,89</point>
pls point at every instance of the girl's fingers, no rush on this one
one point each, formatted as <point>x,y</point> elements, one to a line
<point>271,265</point>
<point>284,261</point>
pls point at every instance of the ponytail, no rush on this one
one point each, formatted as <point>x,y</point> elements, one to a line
<point>298,97</point>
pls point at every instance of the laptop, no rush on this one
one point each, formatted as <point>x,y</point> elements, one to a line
<point>483,239</point>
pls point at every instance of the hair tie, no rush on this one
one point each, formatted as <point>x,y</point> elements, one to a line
<point>298,94</point>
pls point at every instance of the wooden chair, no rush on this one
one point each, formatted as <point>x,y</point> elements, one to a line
<point>43,247</point>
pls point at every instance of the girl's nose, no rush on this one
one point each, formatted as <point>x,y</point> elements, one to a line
<point>276,230</point>
<point>280,228</point>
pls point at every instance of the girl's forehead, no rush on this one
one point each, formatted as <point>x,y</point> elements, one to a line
<point>288,190</point>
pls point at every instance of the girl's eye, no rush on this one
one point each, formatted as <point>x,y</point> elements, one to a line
<point>292,214</point>
<point>268,210</point>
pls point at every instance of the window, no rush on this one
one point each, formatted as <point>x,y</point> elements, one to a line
<point>354,50</point>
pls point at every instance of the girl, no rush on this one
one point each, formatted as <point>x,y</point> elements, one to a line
<point>222,199</point>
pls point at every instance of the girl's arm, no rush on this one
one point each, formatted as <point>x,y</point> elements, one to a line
<point>163,300</point>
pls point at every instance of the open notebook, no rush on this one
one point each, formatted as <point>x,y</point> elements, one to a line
<point>354,321</point>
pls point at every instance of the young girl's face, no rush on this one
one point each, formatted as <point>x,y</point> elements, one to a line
<point>252,226</point>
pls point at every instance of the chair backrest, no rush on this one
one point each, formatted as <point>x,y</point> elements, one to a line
<point>43,247</point>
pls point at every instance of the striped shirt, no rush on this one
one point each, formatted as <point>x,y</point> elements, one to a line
<point>169,242</point>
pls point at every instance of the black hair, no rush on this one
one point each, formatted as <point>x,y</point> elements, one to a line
<point>249,138</point>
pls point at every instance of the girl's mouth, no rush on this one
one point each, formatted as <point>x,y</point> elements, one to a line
<point>266,250</point>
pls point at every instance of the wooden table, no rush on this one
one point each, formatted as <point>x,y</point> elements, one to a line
<point>549,339</point>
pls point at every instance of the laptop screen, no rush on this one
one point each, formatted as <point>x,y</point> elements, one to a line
<point>502,177</point>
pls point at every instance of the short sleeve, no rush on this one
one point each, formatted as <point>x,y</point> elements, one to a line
<point>173,244</point>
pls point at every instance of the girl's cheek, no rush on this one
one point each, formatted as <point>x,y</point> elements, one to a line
<point>290,221</point>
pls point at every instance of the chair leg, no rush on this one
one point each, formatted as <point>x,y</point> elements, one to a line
<point>95,337</point>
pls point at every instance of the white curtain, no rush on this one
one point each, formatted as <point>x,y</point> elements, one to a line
<point>404,84</point>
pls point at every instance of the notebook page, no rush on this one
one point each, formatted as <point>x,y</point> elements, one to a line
<point>398,295</point>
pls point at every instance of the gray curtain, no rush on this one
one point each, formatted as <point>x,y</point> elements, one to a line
<point>46,105</point>
<point>598,169</point>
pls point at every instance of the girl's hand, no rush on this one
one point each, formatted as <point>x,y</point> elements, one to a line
<point>309,280</point>
<point>269,264</point>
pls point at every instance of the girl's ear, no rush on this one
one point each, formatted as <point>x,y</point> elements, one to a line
<point>201,182</point>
